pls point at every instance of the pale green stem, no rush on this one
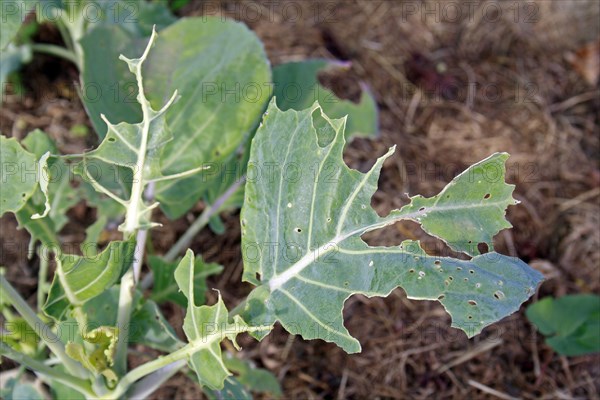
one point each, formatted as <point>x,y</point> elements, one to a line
<point>202,220</point>
<point>182,354</point>
<point>39,327</point>
<point>78,384</point>
<point>56,51</point>
<point>42,280</point>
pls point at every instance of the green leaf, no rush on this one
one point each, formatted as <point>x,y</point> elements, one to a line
<point>101,357</point>
<point>79,279</point>
<point>205,327</point>
<point>19,175</point>
<point>571,323</point>
<point>147,325</point>
<point>301,237</point>
<point>232,389</point>
<point>222,73</point>
<point>166,289</point>
<point>16,390</point>
<point>254,379</point>
<point>297,87</point>
<point>12,15</point>
<point>11,60</point>
<point>20,336</point>
<point>61,391</point>
<point>138,147</point>
<point>57,200</point>
<point>107,85</point>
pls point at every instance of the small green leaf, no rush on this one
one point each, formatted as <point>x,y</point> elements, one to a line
<point>571,323</point>
<point>205,327</point>
<point>79,279</point>
<point>297,87</point>
<point>166,289</point>
<point>101,357</point>
<point>18,173</point>
<point>301,237</point>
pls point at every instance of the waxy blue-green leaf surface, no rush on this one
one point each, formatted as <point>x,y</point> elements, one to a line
<point>302,227</point>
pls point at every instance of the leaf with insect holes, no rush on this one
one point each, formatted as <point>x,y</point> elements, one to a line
<point>296,86</point>
<point>302,228</point>
<point>98,355</point>
<point>79,279</point>
<point>205,327</point>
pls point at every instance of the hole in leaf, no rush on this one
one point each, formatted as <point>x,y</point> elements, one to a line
<point>23,195</point>
<point>466,279</point>
<point>499,295</point>
<point>328,219</point>
<point>470,317</point>
<point>451,278</point>
<point>422,209</point>
<point>298,230</point>
<point>459,268</point>
<point>471,271</point>
<point>112,139</point>
<point>441,297</point>
<point>346,284</point>
<point>412,271</point>
<point>437,262</point>
<point>472,302</point>
<point>487,196</point>
<point>421,274</point>
<point>482,247</point>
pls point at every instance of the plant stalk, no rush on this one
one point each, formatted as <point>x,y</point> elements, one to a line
<point>202,220</point>
<point>56,51</point>
<point>40,328</point>
<point>78,384</point>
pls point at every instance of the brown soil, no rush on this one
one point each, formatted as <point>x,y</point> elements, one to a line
<point>529,98</point>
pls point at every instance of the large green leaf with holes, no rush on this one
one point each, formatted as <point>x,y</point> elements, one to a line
<point>302,225</point>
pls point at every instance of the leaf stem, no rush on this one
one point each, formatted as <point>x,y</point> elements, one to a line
<point>42,279</point>
<point>202,220</point>
<point>56,51</point>
<point>38,367</point>
<point>40,328</point>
